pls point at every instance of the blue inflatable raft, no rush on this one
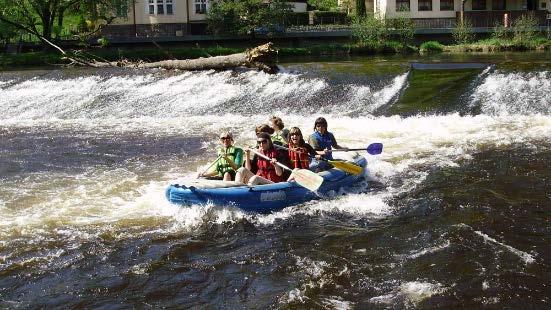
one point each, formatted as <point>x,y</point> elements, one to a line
<point>260,198</point>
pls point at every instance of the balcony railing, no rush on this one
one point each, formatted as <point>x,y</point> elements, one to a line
<point>491,18</point>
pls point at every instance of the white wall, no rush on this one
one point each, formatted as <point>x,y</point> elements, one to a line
<point>415,13</point>
<point>298,6</point>
<point>143,16</point>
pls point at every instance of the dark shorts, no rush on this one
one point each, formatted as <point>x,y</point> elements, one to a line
<point>232,173</point>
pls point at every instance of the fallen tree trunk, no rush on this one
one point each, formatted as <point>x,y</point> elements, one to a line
<point>261,57</point>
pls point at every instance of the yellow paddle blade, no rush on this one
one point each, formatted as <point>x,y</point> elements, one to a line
<point>346,167</point>
<point>308,179</point>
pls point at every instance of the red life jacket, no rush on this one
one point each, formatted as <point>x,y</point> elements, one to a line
<point>265,167</point>
<point>299,157</point>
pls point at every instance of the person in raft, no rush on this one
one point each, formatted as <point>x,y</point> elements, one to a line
<point>281,134</point>
<point>230,158</point>
<point>299,151</point>
<point>323,142</point>
<point>259,170</point>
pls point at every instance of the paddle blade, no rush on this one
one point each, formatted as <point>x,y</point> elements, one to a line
<point>308,179</point>
<point>375,148</point>
<point>347,167</point>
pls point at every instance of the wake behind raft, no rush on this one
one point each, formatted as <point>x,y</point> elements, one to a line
<point>263,198</point>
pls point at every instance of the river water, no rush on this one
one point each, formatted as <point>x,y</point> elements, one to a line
<point>456,212</point>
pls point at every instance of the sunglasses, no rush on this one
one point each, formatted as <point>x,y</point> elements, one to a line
<point>261,141</point>
<point>225,138</point>
<point>321,125</point>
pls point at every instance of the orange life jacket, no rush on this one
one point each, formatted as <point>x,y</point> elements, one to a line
<point>299,157</point>
<point>265,167</point>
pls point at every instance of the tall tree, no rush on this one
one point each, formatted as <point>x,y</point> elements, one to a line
<point>244,16</point>
<point>360,8</point>
<point>39,16</point>
<point>324,5</point>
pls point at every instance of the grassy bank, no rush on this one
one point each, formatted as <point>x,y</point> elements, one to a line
<point>38,59</point>
<point>34,59</point>
<point>489,45</point>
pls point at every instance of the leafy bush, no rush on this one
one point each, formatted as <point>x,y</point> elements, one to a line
<point>324,5</point>
<point>500,31</point>
<point>463,32</point>
<point>525,28</point>
<point>403,28</point>
<point>431,46</point>
<point>297,19</point>
<point>370,30</point>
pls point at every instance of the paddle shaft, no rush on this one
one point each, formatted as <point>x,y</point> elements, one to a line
<point>288,149</point>
<point>212,164</point>
<point>346,150</point>
<point>268,158</point>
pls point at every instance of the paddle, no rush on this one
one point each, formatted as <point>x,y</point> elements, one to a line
<point>373,149</point>
<point>304,177</point>
<point>205,171</point>
<point>342,165</point>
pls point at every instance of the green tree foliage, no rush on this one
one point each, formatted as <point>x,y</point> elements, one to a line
<point>324,5</point>
<point>45,17</point>
<point>243,16</point>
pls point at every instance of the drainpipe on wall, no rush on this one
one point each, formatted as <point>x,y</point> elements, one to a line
<point>187,17</point>
<point>461,14</point>
<point>134,16</point>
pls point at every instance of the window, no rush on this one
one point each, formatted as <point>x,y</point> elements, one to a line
<point>402,5</point>
<point>479,4</point>
<point>425,5</point>
<point>498,5</point>
<point>446,5</point>
<point>160,7</point>
<point>200,6</point>
<point>169,7</point>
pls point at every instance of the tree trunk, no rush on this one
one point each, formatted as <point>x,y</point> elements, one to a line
<point>261,57</point>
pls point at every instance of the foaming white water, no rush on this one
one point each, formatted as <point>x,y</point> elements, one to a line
<point>364,99</point>
<point>526,258</point>
<point>409,293</point>
<point>429,250</point>
<point>123,197</point>
<point>153,95</point>
<point>512,93</point>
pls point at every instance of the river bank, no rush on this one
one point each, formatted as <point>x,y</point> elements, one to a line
<point>153,53</point>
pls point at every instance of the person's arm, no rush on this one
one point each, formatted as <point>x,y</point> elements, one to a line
<point>238,159</point>
<point>312,152</point>
<point>248,164</point>
<point>314,143</point>
<point>282,158</point>
<point>278,169</point>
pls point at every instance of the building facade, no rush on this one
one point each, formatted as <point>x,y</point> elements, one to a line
<point>167,18</point>
<point>446,13</point>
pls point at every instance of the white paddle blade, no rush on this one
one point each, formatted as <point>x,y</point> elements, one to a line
<point>308,179</point>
